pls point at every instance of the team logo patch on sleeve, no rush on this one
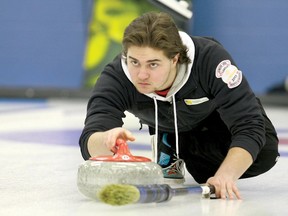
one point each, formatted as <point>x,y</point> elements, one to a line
<point>229,74</point>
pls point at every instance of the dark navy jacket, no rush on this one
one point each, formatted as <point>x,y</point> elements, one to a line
<point>233,110</point>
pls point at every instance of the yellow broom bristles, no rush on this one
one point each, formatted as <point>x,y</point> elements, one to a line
<point>118,194</point>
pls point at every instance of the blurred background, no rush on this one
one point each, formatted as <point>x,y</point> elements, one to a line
<point>53,48</point>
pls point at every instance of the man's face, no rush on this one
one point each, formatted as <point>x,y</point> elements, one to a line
<point>150,69</point>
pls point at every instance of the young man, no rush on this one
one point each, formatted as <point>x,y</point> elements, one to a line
<point>195,101</point>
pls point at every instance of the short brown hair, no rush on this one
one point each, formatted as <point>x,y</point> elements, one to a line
<point>158,31</point>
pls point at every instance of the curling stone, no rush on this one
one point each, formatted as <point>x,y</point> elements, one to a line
<point>121,168</point>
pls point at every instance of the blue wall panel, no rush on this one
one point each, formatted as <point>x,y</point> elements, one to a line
<point>254,32</point>
<point>41,43</point>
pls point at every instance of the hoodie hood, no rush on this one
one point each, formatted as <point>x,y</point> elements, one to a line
<point>183,71</point>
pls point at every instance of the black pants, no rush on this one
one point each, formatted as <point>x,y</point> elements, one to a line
<point>205,148</point>
<point>204,151</point>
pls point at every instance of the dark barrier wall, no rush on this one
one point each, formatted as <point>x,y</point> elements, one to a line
<point>255,32</point>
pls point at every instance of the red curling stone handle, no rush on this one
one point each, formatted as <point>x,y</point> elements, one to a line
<point>122,154</point>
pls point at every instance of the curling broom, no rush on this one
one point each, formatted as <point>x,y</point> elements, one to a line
<point>121,194</point>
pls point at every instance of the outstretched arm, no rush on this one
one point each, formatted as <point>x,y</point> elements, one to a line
<point>237,161</point>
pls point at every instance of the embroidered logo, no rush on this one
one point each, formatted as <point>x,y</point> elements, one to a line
<point>229,74</point>
<point>196,101</point>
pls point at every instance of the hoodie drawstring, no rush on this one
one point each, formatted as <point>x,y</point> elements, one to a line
<point>156,131</point>
<point>175,126</point>
<point>156,128</point>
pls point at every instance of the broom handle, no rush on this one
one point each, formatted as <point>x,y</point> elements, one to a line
<point>163,192</point>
